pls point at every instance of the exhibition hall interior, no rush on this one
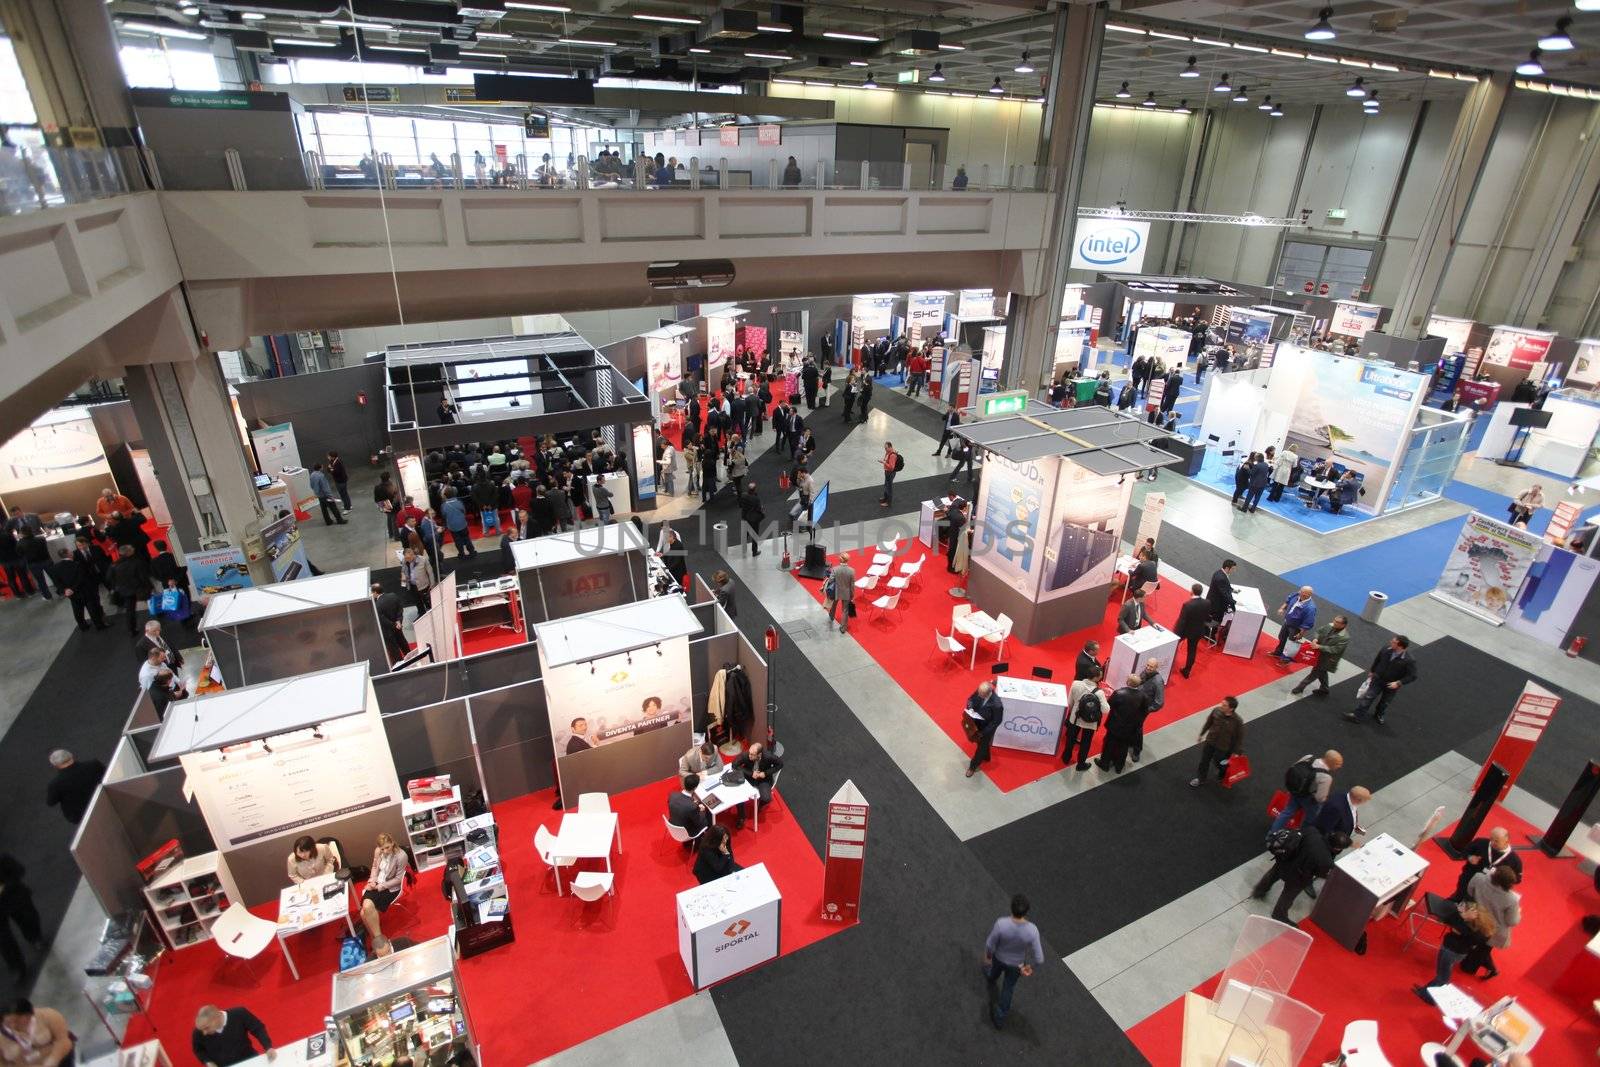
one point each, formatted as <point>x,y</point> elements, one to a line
<point>637,531</point>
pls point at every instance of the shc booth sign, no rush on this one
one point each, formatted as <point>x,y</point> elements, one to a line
<point>1115,245</point>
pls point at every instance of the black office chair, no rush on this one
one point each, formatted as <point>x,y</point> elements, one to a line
<point>1000,668</point>
<point>1043,673</point>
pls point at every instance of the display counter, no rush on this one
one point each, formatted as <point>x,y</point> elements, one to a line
<point>480,605</point>
<point>729,925</point>
<point>1249,616</point>
<point>314,1050</point>
<point>1481,395</point>
<point>1366,882</point>
<point>1033,714</point>
<point>929,517</point>
<point>405,1004</point>
<point>1130,651</point>
<point>298,479</point>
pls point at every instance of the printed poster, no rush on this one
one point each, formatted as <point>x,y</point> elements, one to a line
<point>1012,502</point>
<point>719,344</point>
<point>1487,566</point>
<point>924,315</point>
<point>1354,320</point>
<point>664,366</point>
<point>1085,530</point>
<point>60,446</point>
<point>620,699</point>
<point>1585,369</point>
<point>1357,414</point>
<point>285,551</point>
<point>1517,349</point>
<point>276,448</point>
<point>217,570</point>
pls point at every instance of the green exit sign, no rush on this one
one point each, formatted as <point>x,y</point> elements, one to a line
<point>1004,403</point>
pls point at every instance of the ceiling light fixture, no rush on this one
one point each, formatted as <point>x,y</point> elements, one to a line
<point>1390,67</point>
<point>252,16</point>
<point>864,38</point>
<point>1243,95</point>
<point>1531,66</point>
<point>1182,108</point>
<point>1277,111</point>
<point>1191,71</point>
<point>1024,67</point>
<point>1357,88</point>
<point>1123,93</point>
<point>1250,48</point>
<point>1119,28</point>
<point>558,9</point>
<point>485,34</point>
<point>1222,86</point>
<point>1265,105</point>
<point>305,42</point>
<point>1209,41</point>
<point>997,89</point>
<point>859,63</point>
<point>764,28</point>
<point>189,10</point>
<point>1371,102</point>
<point>590,42</point>
<point>952,47</point>
<point>161,30</point>
<point>483,55</point>
<point>870,83</point>
<point>767,55</point>
<point>1169,36</point>
<point>676,19</point>
<point>700,51</point>
<point>1322,29</point>
<point>1559,41</point>
<point>1149,99</point>
<point>938,73</point>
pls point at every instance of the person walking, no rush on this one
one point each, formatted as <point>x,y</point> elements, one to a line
<point>130,584</point>
<point>455,520</point>
<point>1308,782</point>
<point>839,590</point>
<point>341,478</point>
<point>1241,478</point>
<point>1154,688</point>
<point>1260,478</point>
<point>808,381</point>
<point>961,451</point>
<point>418,577</point>
<point>1221,738</point>
<point>391,617</point>
<point>604,506</point>
<point>17,908</point>
<point>1471,930</point>
<point>1527,502</point>
<point>1283,469</point>
<point>1392,668</point>
<point>322,487</point>
<point>893,463</point>
<point>1330,641</point>
<point>708,470</point>
<point>851,388</point>
<point>866,395</point>
<point>1194,621</point>
<point>1088,703</point>
<point>1494,892</point>
<point>952,419</point>
<point>1303,857</point>
<point>1299,615</point>
<point>35,550</point>
<point>1010,953</point>
<point>983,715</point>
<point>1124,725</point>
<point>955,517</point>
<point>80,584</point>
<point>752,515</point>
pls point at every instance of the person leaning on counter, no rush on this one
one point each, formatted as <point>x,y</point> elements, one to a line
<point>310,860</point>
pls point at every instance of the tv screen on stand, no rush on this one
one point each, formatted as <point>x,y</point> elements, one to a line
<point>819,505</point>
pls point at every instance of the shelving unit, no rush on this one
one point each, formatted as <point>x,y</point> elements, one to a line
<point>186,900</point>
<point>431,825</point>
<point>484,878</point>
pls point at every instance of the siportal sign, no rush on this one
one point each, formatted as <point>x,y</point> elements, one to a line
<point>847,847</point>
<point>1115,245</point>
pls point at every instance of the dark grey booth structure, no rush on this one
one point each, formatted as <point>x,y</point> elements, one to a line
<point>277,631</point>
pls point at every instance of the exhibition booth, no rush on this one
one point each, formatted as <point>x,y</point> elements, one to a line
<point>569,574</point>
<point>1508,576</point>
<point>267,633</point>
<point>1124,299</point>
<point>1560,437</point>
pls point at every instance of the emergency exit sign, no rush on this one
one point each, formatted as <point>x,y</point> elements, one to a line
<point>1004,403</point>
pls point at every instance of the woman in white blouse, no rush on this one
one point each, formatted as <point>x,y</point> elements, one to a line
<point>310,860</point>
<point>383,884</point>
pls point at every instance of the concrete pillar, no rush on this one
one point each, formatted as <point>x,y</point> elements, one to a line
<point>1561,228</point>
<point>1447,211</point>
<point>188,425</point>
<point>1033,317</point>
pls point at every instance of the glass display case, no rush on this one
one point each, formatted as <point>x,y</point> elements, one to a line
<point>1430,459</point>
<point>408,1004</point>
<point>121,996</point>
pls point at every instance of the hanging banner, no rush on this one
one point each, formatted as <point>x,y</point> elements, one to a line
<point>217,570</point>
<point>924,315</point>
<point>61,446</point>
<point>1150,515</point>
<point>1529,718</point>
<point>847,847</point>
<point>1113,245</point>
<point>276,448</point>
<point>719,344</point>
<point>284,549</point>
<point>1352,319</point>
<point>769,135</point>
<point>1517,349</point>
<point>1486,567</point>
<point>611,700</point>
<point>975,305</point>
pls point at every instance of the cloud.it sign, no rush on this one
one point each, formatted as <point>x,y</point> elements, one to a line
<point>1114,245</point>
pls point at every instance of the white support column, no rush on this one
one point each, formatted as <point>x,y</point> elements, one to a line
<point>1561,227</point>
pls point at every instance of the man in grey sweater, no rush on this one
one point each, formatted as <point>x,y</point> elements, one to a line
<point>1011,951</point>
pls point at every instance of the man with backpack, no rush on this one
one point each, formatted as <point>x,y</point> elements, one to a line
<point>893,463</point>
<point>1307,781</point>
<point>1089,709</point>
<point>1298,858</point>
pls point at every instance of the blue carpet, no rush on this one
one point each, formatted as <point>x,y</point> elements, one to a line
<point>1402,567</point>
<point>891,381</point>
<point>1215,475</point>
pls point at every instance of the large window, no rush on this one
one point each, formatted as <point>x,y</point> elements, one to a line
<point>1306,267</point>
<point>16,106</point>
<point>166,67</point>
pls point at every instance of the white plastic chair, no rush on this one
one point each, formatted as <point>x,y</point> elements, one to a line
<point>544,843</point>
<point>869,582</point>
<point>880,571</point>
<point>909,571</point>
<point>998,636</point>
<point>882,559</point>
<point>948,645</point>
<point>592,885</point>
<point>890,547</point>
<point>898,584</point>
<point>886,604</point>
<point>959,612</point>
<point>679,834</point>
<point>594,804</point>
<point>242,935</point>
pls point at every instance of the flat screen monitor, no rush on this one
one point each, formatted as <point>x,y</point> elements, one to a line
<point>819,505</point>
<point>1531,418</point>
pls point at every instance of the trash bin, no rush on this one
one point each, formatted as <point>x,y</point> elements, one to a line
<point>719,537</point>
<point>1375,603</point>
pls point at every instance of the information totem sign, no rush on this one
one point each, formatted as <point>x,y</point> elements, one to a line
<point>1529,717</point>
<point>847,846</point>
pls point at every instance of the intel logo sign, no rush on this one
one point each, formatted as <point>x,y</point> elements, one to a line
<point>1111,246</point>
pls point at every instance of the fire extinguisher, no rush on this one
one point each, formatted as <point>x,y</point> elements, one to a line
<point>770,643</point>
<point>784,562</point>
<point>1577,646</point>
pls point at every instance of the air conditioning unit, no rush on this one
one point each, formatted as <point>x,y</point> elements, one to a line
<point>690,274</point>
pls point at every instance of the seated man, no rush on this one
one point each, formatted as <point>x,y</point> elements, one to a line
<point>310,861</point>
<point>685,810</point>
<point>704,760</point>
<point>759,767</point>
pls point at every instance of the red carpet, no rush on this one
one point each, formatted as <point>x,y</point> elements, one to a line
<point>903,646</point>
<point>575,971</point>
<point>1346,987</point>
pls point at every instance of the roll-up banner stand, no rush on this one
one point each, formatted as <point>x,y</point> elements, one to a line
<point>1530,717</point>
<point>848,812</point>
<point>1486,568</point>
<point>276,448</point>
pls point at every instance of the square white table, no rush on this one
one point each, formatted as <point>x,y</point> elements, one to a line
<point>303,907</point>
<point>730,796</point>
<point>976,625</point>
<point>587,835</point>
<point>729,925</point>
<point>1249,616</point>
<point>1130,650</point>
<point>1034,711</point>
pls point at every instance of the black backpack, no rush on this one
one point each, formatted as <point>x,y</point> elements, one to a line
<point>1089,707</point>
<point>1301,778</point>
<point>899,462</point>
<point>1284,843</point>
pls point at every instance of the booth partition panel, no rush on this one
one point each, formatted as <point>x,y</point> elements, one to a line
<point>257,868</point>
<point>434,740</point>
<point>706,657</point>
<point>154,810</point>
<point>500,668</point>
<point>415,687</point>
<point>300,643</point>
<point>511,728</point>
<point>107,858</point>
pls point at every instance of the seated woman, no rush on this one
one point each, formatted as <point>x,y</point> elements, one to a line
<point>383,884</point>
<point>310,861</point>
<point>716,855</point>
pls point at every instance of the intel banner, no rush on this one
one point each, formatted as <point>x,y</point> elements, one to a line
<point>1115,246</point>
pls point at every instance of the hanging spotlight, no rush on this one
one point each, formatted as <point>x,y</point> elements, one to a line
<point>1370,104</point>
<point>1243,95</point>
<point>1358,88</point>
<point>870,83</point>
<point>1265,105</point>
<point>1322,29</point>
<point>1531,66</point>
<point>938,73</point>
<point>1149,99</point>
<point>1122,93</point>
<point>1277,111</point>
<point>1559,41</point>
<point>1024,67</point>
<point>1192,71</point>
<point>1183,108</point>
<point>997,89</point>
<point>1222,86</point>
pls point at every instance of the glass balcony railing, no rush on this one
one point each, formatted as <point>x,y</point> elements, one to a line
<point>36,178</point>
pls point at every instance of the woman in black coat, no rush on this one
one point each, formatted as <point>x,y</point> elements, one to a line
<point>715,858</point>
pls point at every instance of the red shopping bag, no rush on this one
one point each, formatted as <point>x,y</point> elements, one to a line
<point>1279,801</point>
<point>1307,654</point>
<point>1238,770</point>
<point>783,479</point>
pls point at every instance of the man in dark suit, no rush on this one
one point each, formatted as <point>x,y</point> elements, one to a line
<point>1485,854</point>
<point>1392,668</point>
<point>390,617</point>
<point>1311,859</point>
<point>1124,724</point>
<point>760,769</point>
<point>1338,813</point>
<point>1194,618</point>
<point>94,557</point>
<point>1086,665</point>
<point>81,586</point>
<point>222,1038</point>
<point>73,785</point>
<point>952,419</point>
<point>1220,593</point>
<point>684,809</point>
<point>985,710</point>
<point>1133,614</point>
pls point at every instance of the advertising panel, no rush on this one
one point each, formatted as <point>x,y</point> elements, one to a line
<point>1585,369</point>
<point>664,363</point>
<point>872,312</point>
<point>284,550</point>
<point>1529,718</point>
<point>217,570</point>
<point>847,846</point>
<point>751,339</point>
<point>612,700</point>
<point>1457,333</point>
<point>1085,532</point>
<point>976,305</point>
<point>1353,319</point>
<point>276,448</point>
<point>1114,246</point>
<point>769,135</point>
<point>60,446</point>
<point>1013,500</point>
<point>1163,343</point>
<point>1486,567</point>
<point>791,345</point>
<point>1555,589</point>
<point>1246,328</point>
<point>1356,413</point>
<point>924,315</point>
<point>644,462</point>
<point>1517,349</point>
<point>719,343</point>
